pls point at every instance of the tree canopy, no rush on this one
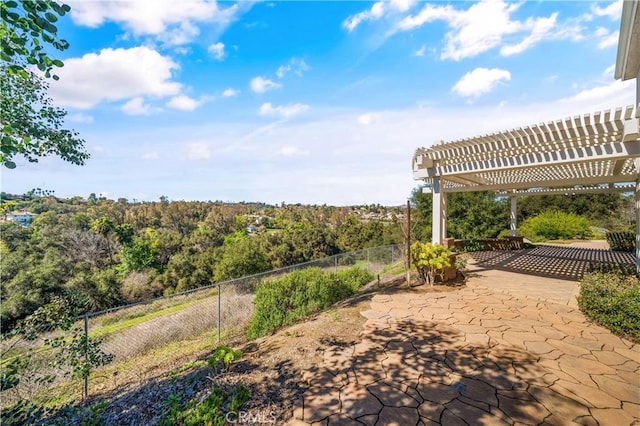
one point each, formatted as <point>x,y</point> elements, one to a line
<point>31,125</point>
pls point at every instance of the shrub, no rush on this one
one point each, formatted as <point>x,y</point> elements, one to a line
<point>354,277</point>
<point>504,233</point>
<point>223,357</point>
<point>621,241</point>
<point>612,300</point>
<point>283,301</point>
<point>555,225</point>
<point>138,286</point>
<point>470,246</point>
<point>429,259</point>
<point>218,409</point>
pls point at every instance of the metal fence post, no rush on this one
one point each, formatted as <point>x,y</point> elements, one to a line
<point>86,357</point>
<point>219,311</point>
<point>368,262</point>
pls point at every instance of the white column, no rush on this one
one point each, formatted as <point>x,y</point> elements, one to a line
<point>443,228</point>
<point>638,220</point>
<point>436,212</point>
<point>514,215</point>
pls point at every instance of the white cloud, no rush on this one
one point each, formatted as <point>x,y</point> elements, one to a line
<point>230,92</point>
<point>540,28</point>
<point>613,93</point>
<point>184,103</point>
<point>378,10</point>
<point>198,151</point>
<point>480,81</point>
<point>80,117</point>
<point>605,38</point>
<point>180,34</point>
<point>613,10</point>
<point>368,118</point>
<point>295,65</point>
<point>284,111</point>
<point>174,23</point>
<point>291,151</point>
<point>421,51</point>
<point>136,106</point>
<point>112,75</point>
<point>484,26</point>
<point>402,5</point>
<point>261,84</point>
<point>182,50</point>
<point>217,50</point>
<point>609,71</point>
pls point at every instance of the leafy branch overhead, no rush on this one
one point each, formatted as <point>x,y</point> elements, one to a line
<point>28,26</point>
<point>31,126</point>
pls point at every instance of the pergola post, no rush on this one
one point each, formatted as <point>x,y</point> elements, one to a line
<point>443,228</point>
<point>514,215</point>
<point>436,211</point>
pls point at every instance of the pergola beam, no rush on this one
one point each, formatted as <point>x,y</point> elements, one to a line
<point>540,184</point>
<point>570,191</point>
<point>609,151</point>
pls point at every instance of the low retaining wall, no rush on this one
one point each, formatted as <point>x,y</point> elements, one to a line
<point>487,244</point>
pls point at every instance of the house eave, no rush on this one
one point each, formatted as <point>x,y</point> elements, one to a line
<point>628,58</point>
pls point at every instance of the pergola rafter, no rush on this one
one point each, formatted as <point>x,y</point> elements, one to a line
<point>594,153</point>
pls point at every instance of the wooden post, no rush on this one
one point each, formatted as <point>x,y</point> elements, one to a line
<point>408,236</point>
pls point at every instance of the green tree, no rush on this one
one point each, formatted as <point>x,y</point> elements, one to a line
<point>246,257</point>
<point>470,215</point>
<point>31,126</point>
<point>27,27</point>
<point>138,255</point>
<point>124,233</point>
<point>103,226</point>
<point>99,287</point>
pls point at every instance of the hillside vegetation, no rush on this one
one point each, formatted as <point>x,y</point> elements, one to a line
<point>115,252</point>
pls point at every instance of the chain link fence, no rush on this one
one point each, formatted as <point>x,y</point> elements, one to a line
<point>158,337</point>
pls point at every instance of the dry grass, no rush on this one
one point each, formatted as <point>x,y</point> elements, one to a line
<point>155,345</point>
<point>236,311</point>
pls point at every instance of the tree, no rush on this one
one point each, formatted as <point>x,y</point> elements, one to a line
<point>138,255</point>
<point>31,126</point>
<point>103,226</point>
<point>246,257</point>
<point>470,215</point>
<point>27,26</point>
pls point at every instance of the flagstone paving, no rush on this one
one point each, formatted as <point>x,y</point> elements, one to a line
<point>476,356</point>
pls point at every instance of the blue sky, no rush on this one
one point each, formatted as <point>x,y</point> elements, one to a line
<point>311,102</point>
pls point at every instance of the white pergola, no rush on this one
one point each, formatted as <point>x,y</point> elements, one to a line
<point>594,153</point>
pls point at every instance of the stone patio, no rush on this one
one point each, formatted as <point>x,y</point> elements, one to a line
<point>481,355</point>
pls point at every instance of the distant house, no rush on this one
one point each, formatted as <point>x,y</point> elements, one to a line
<point>23,217</point>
